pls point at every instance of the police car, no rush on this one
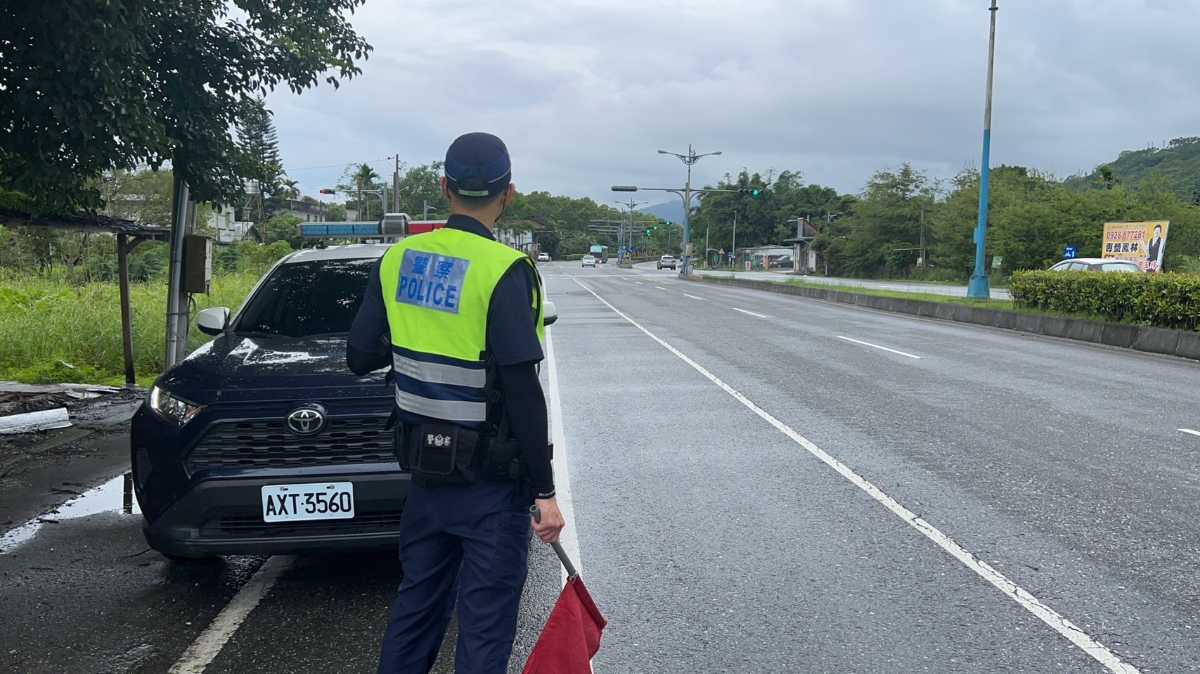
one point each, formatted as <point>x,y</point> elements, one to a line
<point>262,440</point>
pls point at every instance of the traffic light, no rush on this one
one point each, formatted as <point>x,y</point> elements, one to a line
<point>755,193</point>
<point>649,230</point>
<point>326,190</point>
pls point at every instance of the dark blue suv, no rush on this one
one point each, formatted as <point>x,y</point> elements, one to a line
<point>262,440</point>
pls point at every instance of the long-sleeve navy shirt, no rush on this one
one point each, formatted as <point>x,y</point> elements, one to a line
<point>511,341</point>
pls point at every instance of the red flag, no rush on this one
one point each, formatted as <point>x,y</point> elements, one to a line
<point>571,636</point>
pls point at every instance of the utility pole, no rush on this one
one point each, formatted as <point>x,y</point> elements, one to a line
<point>733,265</point>
<point>978,287</point>
<point>924,254</point>
<point>396,185</point>
<point>177,298</point>
<point>706,246</point>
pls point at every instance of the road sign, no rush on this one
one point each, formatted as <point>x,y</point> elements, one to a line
<point>1071,252</point>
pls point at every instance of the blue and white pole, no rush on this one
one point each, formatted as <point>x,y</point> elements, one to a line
<point>978,288</point>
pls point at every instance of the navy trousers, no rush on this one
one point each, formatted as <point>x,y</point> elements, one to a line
<point>464,544</point>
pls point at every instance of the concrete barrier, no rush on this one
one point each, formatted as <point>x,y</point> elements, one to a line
<point>1182,343</point>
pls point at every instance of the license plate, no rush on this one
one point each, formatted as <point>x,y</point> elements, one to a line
<point>314,501</point>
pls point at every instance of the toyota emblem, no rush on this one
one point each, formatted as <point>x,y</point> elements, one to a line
<point>306,420</point>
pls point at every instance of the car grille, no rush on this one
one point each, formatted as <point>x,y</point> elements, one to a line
<point>252,526</point>
<point>269,444</point>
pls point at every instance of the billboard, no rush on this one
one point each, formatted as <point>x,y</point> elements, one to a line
<point>1140,242</point>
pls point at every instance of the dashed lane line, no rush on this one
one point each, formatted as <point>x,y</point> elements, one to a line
<point>881,348</point>
<point>1047,615</point>
<point>751,313</point>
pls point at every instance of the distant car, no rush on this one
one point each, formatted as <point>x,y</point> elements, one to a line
<point>1097,264</point>
<point>543,257</point>
<point>588,261</point>
<point>666,261</point>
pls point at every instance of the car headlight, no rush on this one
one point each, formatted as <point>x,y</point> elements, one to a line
<point>172,407</point>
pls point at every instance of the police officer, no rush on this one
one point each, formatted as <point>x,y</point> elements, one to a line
<point>458,315</point>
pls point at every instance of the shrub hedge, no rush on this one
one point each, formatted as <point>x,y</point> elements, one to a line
<point>1164,300</point>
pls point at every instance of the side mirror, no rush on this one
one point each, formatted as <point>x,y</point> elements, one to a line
<point>213,321</point>
<point>549,313</point>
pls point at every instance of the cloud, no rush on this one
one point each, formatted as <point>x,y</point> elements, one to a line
<point>585,92</point>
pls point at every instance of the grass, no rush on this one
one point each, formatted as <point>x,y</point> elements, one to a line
<point>53,331</point>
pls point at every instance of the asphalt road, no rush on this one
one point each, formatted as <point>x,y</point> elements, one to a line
<point>758,483</point>
<point>899,286</point>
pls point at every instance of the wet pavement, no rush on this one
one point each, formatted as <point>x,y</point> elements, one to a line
<point>713,540</point>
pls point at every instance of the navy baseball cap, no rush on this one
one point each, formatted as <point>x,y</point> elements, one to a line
<point>477,165</point>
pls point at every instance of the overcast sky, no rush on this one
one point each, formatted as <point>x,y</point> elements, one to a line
<point>584,93</point>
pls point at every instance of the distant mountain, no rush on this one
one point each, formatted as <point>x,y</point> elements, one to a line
<point>1178,162</point>
<point>668,210</point>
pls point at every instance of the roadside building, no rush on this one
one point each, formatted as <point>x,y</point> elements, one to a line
<point>804,257</point>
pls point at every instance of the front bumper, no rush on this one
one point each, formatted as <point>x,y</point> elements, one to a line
<point>223,516</point>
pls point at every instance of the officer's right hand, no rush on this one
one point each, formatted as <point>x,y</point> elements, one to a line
<point>552,522</point>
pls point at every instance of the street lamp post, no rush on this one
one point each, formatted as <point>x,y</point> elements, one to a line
<point>688,160</point>
<point>628,236</point>
<point>978,288</point>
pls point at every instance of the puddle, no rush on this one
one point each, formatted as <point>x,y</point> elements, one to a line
<point>116,495</point>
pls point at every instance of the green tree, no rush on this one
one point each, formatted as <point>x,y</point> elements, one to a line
<point>259,144</point>
<point>142,196</point>
<point>882,234</point>
<point>356,179</point>
<point>421,185</point>
<point>128,83</point>
<point>283,227</point>
<point>335,212</point>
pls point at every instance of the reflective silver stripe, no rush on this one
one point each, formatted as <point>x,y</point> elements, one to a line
<point>439,373</point>
<point>446,410</point>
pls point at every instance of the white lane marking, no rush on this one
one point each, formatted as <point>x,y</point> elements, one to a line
<point>1189,431</point>
<point>562,476</point>
<point>1055,620</point>
<point>750,313</point>
<point>694,297</point>
<point>881,348</point>
<point>214,637</point>
<point>660,287</point>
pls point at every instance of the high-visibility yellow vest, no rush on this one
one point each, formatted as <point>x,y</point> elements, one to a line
<point>437,288</point>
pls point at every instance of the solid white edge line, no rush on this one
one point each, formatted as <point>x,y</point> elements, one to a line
<point>562,476</point>
<point>750,313</point>
<point>208,645</point>
<point>1189,431</point>
<point>1047,615</point>
<point>881,348</point>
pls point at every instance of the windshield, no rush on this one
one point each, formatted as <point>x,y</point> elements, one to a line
<point>307,299</point>
<point>1120,267</point>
